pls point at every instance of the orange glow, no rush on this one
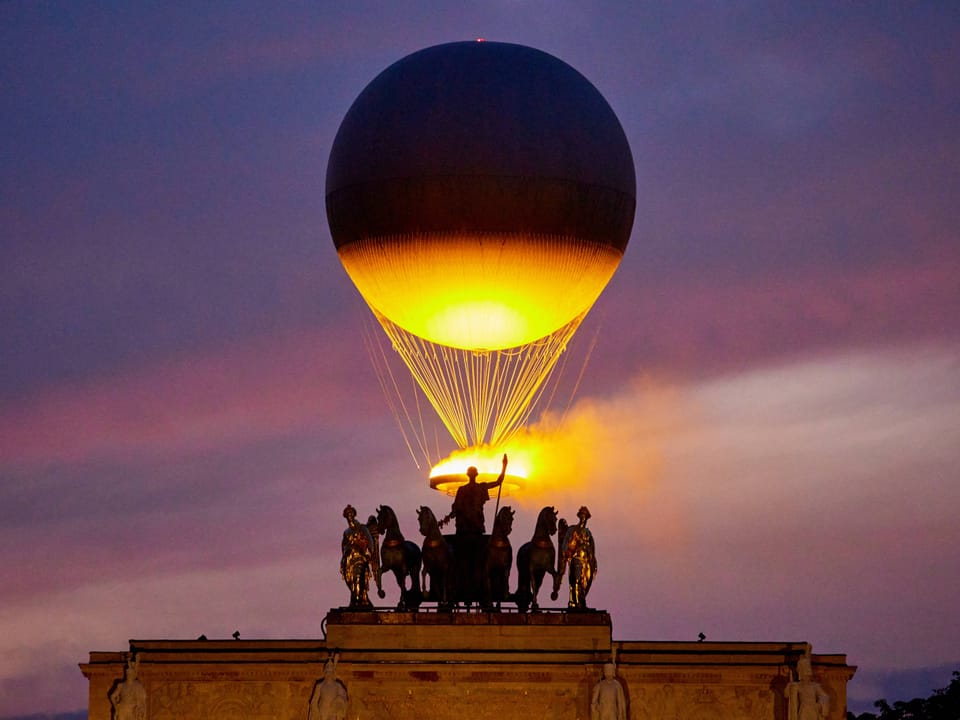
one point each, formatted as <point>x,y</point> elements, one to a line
<point>448,484</point>
<point>478,292</point>
<point>600,454</point>
<point>531,470</point>
<point>449,474</point>
<point>526,454</point>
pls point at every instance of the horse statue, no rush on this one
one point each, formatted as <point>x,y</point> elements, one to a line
<point>437,559</point>
<point>400,556</point>
<point>535,559</point>
<point>499,560</point>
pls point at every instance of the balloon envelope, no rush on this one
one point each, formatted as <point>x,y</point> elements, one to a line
<point>480,194</point>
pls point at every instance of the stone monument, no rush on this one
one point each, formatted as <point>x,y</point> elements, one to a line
<point>447,666</point>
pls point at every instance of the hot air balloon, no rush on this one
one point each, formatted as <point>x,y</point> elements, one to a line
<point>480,196</point>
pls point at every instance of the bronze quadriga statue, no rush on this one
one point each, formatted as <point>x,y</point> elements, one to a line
<point>467,567</point>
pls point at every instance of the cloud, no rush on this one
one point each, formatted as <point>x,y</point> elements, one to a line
<point>791,501</point>
<point>182,460</point>
<point>771,504</point>
<point>686,326</point>
<point>812,497</point>
<point>798,501</point>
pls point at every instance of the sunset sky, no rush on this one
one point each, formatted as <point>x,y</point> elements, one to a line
<point>768,429</point>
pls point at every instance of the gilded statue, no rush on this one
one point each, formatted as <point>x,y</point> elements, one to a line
<point>358,549</point>
<point>128,699</point>
<point>577,551</point>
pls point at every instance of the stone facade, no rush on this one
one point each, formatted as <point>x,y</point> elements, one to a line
<point>482,666</point>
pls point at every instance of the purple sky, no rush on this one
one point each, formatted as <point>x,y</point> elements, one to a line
<point>768,434</point>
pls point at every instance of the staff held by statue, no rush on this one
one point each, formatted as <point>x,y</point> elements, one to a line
<point>503,473</point>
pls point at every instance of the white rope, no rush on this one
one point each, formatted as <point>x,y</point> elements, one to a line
<point>481,397</point>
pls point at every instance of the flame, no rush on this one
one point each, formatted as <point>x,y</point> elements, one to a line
<point>541,460</point>
<point>485,459</point>
<point>603,452</point>
<point>450,473</point>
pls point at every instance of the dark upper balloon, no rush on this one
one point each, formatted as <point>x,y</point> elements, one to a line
<point>481,137</point>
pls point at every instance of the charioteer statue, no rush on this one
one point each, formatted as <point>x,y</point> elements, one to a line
<point>468,504</point>
<point>470,539</point>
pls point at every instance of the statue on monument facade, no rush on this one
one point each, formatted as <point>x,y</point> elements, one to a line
<point>358,548</point>
<point>129,698</point>
<point>329,699</point>
<point>806,699</point>
<point>608,701</point>
<point>578,551</point>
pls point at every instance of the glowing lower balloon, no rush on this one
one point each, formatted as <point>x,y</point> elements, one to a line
<point>480,292</point>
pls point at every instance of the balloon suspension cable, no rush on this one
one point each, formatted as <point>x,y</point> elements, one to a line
<point>554,382</point>
<point>383,372</point>
<point>482,397</point>
<point>583,368</point>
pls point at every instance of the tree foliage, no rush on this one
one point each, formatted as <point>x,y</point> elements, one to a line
<point>944,704</point>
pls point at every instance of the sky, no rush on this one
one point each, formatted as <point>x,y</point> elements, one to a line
<point>766,431</point>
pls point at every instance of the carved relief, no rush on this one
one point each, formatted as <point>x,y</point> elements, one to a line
<point>639,703</point>
<point>452,700</point>
<point>225,701</point>
<point>753,702</point>
<point>701,702</point>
